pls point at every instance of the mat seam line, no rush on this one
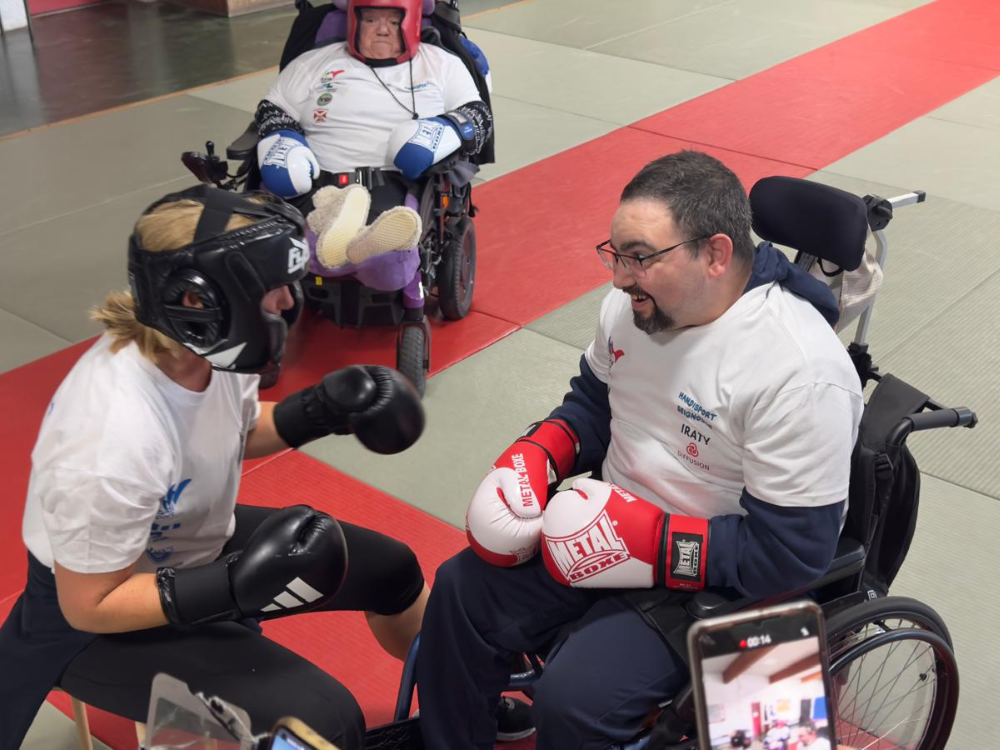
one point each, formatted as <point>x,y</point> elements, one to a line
<point>33,324</point>
<point>104,202</point>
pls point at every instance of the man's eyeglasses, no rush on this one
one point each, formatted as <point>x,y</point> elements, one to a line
<point>635,264</point>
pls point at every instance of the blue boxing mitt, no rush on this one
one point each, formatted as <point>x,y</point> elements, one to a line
<point>419,144</point>
<point>287,164</point>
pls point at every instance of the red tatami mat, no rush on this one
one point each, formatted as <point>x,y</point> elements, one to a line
<point>539,225</point>
<point>316,346</point>
<point>819,107</point>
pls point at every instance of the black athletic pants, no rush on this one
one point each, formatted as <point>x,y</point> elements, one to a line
<point>242,666</point>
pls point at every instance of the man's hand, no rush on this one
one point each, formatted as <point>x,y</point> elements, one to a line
<point>504,519</point>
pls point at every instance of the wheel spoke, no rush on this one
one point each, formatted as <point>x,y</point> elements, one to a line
<point>863,690</point>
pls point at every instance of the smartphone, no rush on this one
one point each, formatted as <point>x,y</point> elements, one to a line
<point>292,734</point>
<point>761,680</point>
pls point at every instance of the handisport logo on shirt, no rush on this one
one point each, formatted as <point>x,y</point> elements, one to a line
<point>689,408</point>
<point>589,551</point>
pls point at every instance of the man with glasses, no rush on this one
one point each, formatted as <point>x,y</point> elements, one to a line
<point>720,409</point>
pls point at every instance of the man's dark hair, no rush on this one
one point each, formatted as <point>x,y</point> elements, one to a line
<point>809,725</point>
<point>704,198</point>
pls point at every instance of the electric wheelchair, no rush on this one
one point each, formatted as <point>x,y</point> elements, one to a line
<point>447,247</point>
<point>894,674</point>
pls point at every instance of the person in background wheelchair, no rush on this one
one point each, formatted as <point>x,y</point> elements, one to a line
<point>348,128</point>
<point>721,410</point>
<point>140,559</point>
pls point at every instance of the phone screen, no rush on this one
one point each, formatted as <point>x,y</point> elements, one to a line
<point>285,740</point>
<point>764,684</point>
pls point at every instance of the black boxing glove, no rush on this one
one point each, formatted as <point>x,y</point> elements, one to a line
<point>376,404</point>
<point>294,561</point>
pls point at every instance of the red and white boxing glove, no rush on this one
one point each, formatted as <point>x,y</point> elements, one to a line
<point>599,536</point>
<point>504,519</point>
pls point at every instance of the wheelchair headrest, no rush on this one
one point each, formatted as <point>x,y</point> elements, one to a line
<point>816,219</point>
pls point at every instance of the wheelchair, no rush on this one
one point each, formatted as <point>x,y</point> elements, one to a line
<point>447,246</point>
<point>893,669</point>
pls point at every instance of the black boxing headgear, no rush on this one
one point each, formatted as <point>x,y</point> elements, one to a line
<point>229,271</point>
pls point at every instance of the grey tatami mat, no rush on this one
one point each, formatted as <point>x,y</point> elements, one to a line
<point>936,324</point>
<point>527,133</point>
<point>85,256</point>
<point>475,409</point>
<point>24,342</point>
<point>956,360</point>
<point>950,159</point>
<point>735,40</point>
<point>951,566</point>
<point>244,94</point>
<point>575,322</point>
<point>66,168</point>
<point>604,87</point>
<point>980,107</point>
<point>585,23</point>
<point>938,250</point>
<point>53,730</point>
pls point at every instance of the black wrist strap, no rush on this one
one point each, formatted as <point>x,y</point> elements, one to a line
<point>196,596</point>
<point>300,419</point>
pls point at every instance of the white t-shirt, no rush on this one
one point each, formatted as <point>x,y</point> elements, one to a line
<point>820,743</point>
<point>131,466</point>
<point>348,115</point>
<point>764,397</point>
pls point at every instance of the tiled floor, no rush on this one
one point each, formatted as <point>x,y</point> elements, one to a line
<point>565,72</point>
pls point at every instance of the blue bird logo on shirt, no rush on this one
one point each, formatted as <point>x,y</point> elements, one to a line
<point>168,503</point>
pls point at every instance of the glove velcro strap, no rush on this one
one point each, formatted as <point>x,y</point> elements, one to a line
<point>682,553</point>
<point>196,596</point>
<point>301,418</point>
<point>465,127</point>
<point>559,442</point>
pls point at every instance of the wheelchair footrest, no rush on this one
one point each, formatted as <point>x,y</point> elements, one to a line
<point>347,302</point>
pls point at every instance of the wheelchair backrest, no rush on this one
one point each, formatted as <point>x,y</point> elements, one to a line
<point>885,485</point>
<point>442,26</point>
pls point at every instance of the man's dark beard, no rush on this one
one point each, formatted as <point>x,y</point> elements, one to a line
<point>655,323</point>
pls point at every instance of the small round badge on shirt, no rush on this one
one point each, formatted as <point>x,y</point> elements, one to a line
<point>324,99</point>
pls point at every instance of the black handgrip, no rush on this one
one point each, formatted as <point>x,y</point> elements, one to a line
<point>931,420</point>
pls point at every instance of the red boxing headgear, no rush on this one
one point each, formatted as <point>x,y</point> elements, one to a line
<point>413,11</point>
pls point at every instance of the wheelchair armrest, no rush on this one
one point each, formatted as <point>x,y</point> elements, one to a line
<point>245,146</point>
<point>848,560</point>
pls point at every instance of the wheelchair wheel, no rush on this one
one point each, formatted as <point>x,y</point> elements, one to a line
<point>457,275</point>
<point>894,676</point>
<point>411,356</point>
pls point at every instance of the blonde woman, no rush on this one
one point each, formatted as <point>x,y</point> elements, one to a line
<point>140,561</point>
